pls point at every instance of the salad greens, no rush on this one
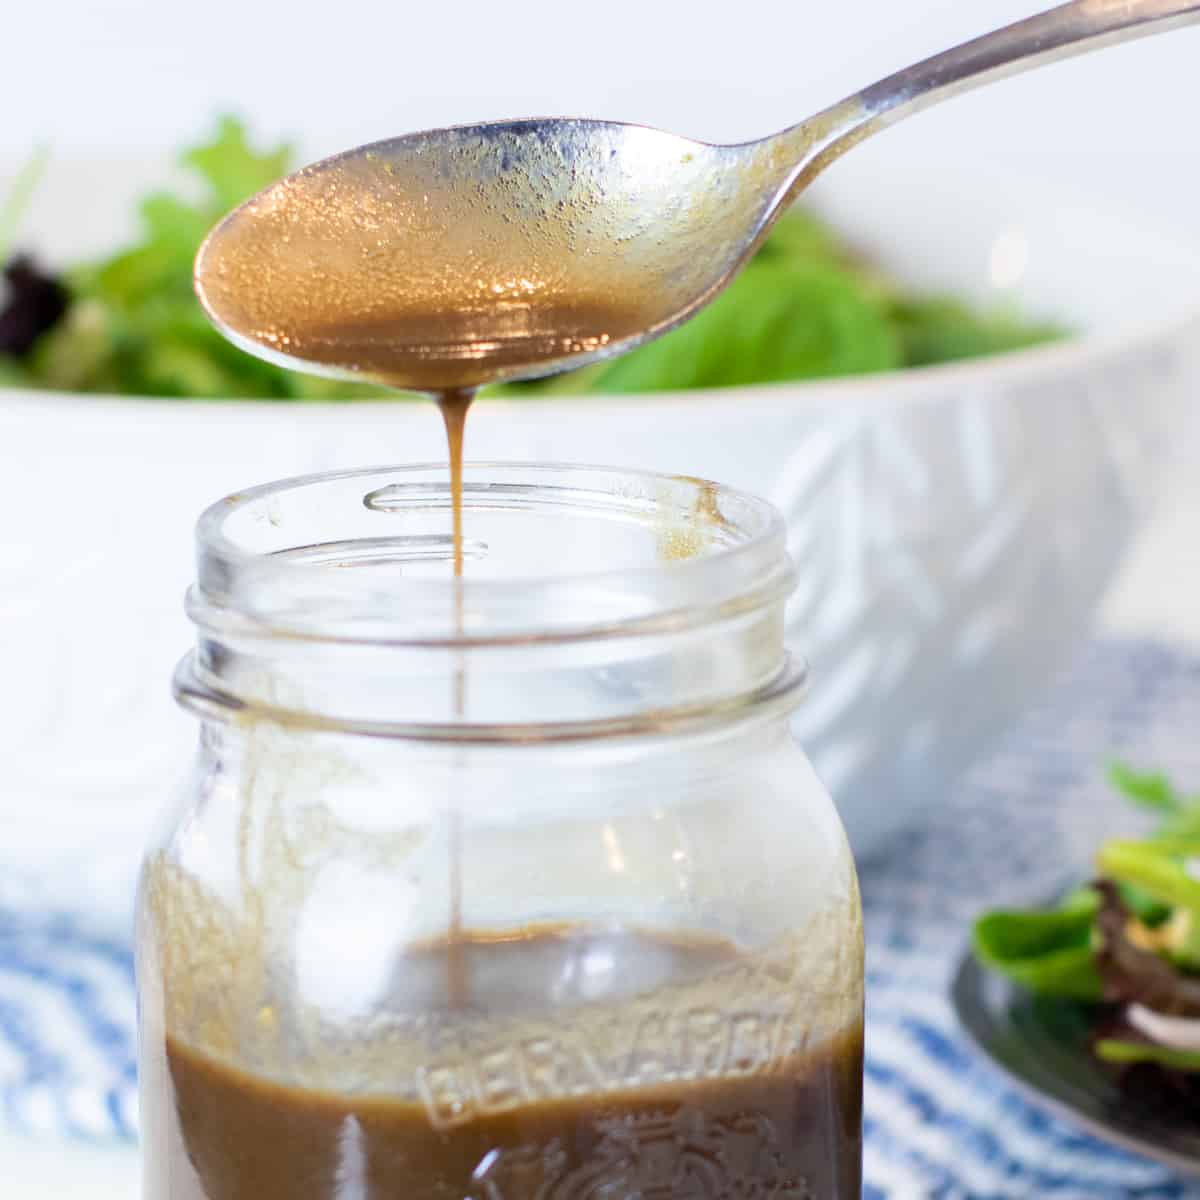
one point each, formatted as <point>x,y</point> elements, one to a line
<point>805,307</point>
<point>1050,951</point>
<point>1127,943</point>
<point>1115,1051</point>
<point>132,324</point>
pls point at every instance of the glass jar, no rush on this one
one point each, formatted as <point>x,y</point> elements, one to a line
<point>515,887</point>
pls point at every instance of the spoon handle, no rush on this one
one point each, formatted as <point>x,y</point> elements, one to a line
<point>1060,32</point>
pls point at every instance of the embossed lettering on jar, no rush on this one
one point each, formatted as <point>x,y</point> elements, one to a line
<point>520,892</point>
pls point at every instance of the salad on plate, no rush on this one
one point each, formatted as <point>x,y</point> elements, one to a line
<point>1124,946</point>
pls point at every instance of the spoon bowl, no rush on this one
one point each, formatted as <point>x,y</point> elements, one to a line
<point>486,252</point>
<point>477,254</point>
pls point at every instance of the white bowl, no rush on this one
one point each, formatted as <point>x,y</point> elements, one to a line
<point>954,527</point>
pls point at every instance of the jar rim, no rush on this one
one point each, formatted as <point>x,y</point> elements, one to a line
<point>729,549</point>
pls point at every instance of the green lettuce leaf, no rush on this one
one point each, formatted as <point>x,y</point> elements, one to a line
<point>1048,951</point>
<point>1114,1050</point>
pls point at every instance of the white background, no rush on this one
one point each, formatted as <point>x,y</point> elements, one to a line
<point>121,74</point>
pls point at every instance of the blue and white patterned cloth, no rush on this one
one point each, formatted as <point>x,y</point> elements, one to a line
<point>940,1121</point>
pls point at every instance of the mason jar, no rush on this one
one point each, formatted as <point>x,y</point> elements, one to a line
<point>509,887</point>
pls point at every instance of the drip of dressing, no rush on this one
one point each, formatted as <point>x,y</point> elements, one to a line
<point>455,403</point>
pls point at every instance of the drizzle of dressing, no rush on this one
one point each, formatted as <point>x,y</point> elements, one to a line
<point>455,405</point>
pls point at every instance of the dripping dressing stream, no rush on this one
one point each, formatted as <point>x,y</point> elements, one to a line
<point>454,404</point>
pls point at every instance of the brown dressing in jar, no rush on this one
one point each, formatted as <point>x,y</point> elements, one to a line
<point>581,1121</point>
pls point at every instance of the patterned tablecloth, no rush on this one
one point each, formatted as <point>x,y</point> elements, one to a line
<point>940,1121</point>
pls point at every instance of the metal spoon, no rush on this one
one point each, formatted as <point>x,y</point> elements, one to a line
<point>468,255</point>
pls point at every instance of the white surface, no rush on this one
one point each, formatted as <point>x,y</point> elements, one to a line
<point>49,1171</point>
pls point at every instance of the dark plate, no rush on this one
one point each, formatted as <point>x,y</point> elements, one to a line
<point>1041,1044</point>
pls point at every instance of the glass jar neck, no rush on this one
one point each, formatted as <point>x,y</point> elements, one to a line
<point>593,602</point>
